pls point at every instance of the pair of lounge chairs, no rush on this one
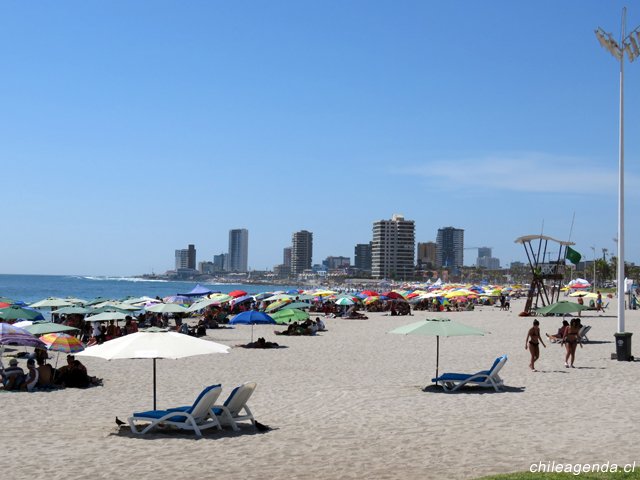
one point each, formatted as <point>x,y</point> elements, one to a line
<point>203,414</point>
<point>487,378</point>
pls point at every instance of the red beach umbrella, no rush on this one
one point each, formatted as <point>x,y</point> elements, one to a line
<point>370,293</point>
<point>393,295</point>
<point>237,293</point>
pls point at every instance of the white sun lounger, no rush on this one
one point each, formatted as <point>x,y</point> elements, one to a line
<point>487,378</point>
<point>196,417</point>
<point>235,407</point>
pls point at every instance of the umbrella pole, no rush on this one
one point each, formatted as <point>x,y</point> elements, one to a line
<point>154,383</point>
<point>252,333</point>
<point>437,356</point>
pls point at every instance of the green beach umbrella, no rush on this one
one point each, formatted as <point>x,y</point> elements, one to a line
<point>106,316</point>
<point>344,301</point>
<point>72,311</point>
<point>51,302</point>
<point>43,328</point>
<point>96,301</point>
<point>16,312</point>
<point>110,308</point>
<point>437,327</point>
<point>290,315</point>
<point>297,305</point>
<point>561,308</point>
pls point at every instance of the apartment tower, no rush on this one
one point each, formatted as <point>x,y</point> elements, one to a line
<point>238,250</point>
<point>301,251</point>
<point>393,248</point>
<point>450,248</point>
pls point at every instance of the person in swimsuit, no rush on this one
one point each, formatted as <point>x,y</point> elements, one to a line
<point>532,343</point>
<point>599,307</point>
<point>571,339</point>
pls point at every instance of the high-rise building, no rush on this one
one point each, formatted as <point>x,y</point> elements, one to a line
<point>362,257</point>
<point>332,263</point>
<point>427,254</point>
<point>186,258</point>
<point>218,263</point>
<point>450,248</point>
<point>191,257</point>
<point>238,250</point>
<point>489,263</point>
<point>393,248</point>
<point>286,257</point>
<point>485,260</point>
<point>301,251</point>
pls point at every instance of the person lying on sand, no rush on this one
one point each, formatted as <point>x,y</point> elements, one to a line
<point>260,343</point>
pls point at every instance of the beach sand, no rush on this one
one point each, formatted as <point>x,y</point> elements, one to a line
<point>347,403</point>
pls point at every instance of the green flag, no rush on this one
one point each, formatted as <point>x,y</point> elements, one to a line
<point>573,256</point>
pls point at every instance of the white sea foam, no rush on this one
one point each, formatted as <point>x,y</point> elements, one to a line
<point>125,279</point>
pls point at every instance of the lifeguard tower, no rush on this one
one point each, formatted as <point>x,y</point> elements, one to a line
<point>547,275</point>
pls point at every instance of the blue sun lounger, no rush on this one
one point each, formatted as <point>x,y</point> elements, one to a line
<point>487,378</point>
<point>196,417</point>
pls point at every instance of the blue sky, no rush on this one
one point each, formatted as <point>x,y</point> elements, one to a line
<point>131,129</point>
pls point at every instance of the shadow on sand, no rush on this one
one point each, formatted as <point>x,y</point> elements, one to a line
<point>473,390</point>
<point>168,432</point>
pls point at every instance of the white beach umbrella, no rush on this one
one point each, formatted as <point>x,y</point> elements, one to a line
<point>166,308</point>
<point>153,343</point>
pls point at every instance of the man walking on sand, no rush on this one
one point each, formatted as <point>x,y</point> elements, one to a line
<point>532,343</point>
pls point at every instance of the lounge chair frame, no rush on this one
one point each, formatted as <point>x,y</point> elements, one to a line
<point>235,408</point>
<point>488,378</point>
<point>198,417</point>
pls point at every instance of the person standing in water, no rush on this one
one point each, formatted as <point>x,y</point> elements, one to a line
<point>532,343</point>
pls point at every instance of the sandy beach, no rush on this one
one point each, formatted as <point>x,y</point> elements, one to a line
<point>347,403</point>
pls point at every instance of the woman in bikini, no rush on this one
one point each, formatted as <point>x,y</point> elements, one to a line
<point>571,339</point>
<point>532,343</point>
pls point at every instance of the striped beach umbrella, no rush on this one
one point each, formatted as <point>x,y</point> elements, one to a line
<point>61,342</point>
<point>10,335</point>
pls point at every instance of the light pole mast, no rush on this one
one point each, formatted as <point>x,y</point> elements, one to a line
<point>628,44</point>
<point>593,287</point>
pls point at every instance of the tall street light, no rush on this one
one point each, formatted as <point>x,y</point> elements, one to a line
<point>594,269</point>
<point>628,44</point>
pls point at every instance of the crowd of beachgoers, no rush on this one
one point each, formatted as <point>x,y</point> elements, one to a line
<point>75,324</point>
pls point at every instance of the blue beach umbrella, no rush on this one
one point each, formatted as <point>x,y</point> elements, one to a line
<point>252,317</point>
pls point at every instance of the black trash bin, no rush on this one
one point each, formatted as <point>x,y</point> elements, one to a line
<point>623,346</point>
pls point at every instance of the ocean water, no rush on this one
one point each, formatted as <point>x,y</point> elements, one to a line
<point>31,288</point>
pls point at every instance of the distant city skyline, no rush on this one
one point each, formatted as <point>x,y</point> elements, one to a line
<point>284,116</point>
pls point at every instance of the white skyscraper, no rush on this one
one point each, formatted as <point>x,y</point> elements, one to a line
<point>393,248</point>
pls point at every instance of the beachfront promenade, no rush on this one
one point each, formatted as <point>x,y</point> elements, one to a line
<point>347,403</point>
